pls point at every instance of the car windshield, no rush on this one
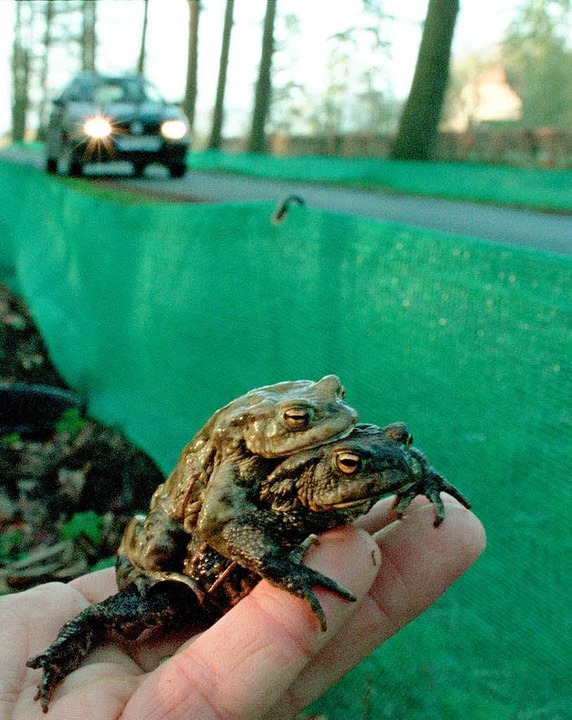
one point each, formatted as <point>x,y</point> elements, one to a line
<point>104,91</point>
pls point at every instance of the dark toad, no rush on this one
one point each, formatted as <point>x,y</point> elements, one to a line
<point>219,468</point>
<point>305,494</point>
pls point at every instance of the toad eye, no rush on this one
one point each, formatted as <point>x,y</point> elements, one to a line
<point>348,462</point>
<point>297,418</point>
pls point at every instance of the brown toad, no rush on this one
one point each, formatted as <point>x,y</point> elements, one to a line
<point>211,483</point>
<point>305,494</point>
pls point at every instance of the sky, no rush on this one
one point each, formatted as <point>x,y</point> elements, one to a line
<point>481,23</point>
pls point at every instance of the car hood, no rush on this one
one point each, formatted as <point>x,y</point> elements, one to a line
<point>125,112</point>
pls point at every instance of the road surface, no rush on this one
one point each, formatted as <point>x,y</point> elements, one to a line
<point>547,231</point>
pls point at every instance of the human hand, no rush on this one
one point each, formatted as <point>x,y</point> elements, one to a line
<point>266,658</point>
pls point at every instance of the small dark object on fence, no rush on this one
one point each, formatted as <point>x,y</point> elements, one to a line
<point>280,213</point>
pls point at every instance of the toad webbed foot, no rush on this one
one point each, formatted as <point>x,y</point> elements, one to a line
<point>425,480</point>
<point>289,573</point>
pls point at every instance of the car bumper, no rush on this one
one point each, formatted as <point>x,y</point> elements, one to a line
<point>142,150</point>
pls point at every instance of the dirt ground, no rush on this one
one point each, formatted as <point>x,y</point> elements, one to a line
<point>67,493</point>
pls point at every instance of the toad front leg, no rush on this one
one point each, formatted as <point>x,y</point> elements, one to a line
<point>425,480</point>
<point>255,541</point>
<point>258,539</point>
<point>289,573</point>
<point>123,616</point>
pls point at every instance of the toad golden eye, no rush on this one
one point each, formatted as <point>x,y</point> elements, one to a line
<point>297,418</point>
<point>348,462</point>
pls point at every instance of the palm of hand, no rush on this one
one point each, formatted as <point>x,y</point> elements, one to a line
<point>265,658</point>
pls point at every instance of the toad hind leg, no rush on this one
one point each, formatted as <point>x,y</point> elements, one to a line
<point>125,615</point>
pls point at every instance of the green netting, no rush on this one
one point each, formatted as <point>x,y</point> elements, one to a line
<point>526,187</point>
<point>542,189</point>
<point>161,313</point>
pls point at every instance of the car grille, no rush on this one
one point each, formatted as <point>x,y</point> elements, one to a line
<point>137,127</point>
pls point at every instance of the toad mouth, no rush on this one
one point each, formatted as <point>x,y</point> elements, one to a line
<point>317,444</point>
<point>340,436</point>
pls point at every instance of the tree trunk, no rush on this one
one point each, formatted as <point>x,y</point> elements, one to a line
<point>20,78</point>
<point>218,115</point>
<point>257,141</point>
<point>190,101</point>
<point>141,58</point>
<point>48,12</point>
<point>419,123</point>
<point>89,40</point>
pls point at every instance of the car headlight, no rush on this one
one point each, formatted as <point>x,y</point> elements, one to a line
<point>97,128</point>
<point>174,129</point>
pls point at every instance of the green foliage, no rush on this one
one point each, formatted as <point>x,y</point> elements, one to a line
<point>87,523</point>
<point>10,440</point>
<point>102,564</point>
<point>71,422</point>
<point>538,62</point>
<point>355,96</point>
<point>11,545</point>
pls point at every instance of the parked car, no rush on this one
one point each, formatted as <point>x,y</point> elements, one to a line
<point>106,118</point>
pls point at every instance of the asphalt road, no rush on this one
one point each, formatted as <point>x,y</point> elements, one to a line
<point>547,231</point>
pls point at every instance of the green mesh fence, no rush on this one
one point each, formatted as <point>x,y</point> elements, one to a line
<point>161,314</point>
<point>525,187</point>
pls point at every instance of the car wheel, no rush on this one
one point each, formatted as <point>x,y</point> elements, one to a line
<point>177,170</point>
<point>75,168</point>
<point>139,169</point>
<point>51,165</point>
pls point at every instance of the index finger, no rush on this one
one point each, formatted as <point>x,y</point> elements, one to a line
<point>418,563</point>
<point>244,663</point>
<point>96,586</point>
